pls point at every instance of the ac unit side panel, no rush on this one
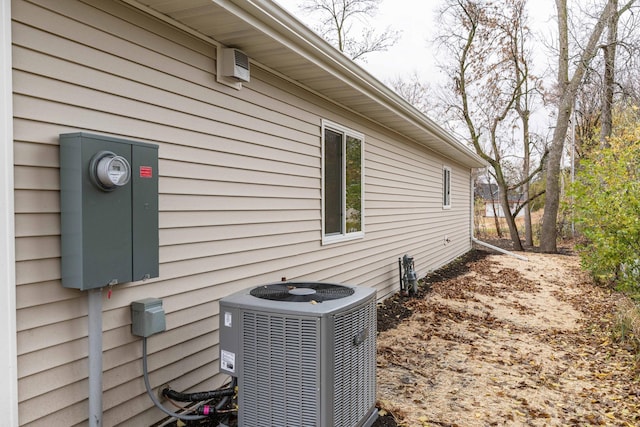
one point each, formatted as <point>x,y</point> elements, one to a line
<point>280,380</point>
<point>230,356</point>
<point>354,365</point>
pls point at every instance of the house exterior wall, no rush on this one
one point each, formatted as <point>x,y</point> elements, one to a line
<point>240,200</point>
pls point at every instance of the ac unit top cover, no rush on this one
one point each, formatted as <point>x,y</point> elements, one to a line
<point>299,298</point>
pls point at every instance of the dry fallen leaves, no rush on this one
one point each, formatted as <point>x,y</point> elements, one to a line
<point>508,342</point>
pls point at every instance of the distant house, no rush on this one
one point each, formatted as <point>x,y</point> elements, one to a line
<point>310,170</point>
<point>489,194</point>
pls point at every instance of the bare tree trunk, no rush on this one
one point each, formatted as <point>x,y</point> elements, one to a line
<point>609,76</point>
<point>528,234</point>
<point>506,208</point>
<point>511,223</point>
<point>496,218</point>
<point>567,89</point>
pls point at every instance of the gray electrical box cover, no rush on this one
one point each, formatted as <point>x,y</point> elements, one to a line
<point>147,317</point>
<point>108,237</point>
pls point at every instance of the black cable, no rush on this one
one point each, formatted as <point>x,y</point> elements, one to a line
<point>223,402</point>
<point>198,396</point>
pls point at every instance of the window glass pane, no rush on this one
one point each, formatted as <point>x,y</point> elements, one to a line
<point>332,182</point>
<point>354,185</point>
<point>446,187</point>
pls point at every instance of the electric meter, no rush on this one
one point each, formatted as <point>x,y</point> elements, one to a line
<point>109,170</point>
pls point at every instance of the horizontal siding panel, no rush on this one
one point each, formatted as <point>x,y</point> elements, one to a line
<point>235,246</point>
<point>131,351</point>
<point>253,262</point>
<point>52,334</point>
<point>229,217</point>
<point>407,165</point>
<point>58,355</point>
<point>176,236</point>
<point>41,350</point>
<point>32,317</point>
<point>199,120</point>
<point>31,225</point>
<point>39,384</point>
<point>146,30</point>
<point>210,149</point>
<point>74,415</point>
<point>180,202</point>
<point>217,188</point>
<point>377,186</point>
<point>150,42</point>
<point>300,176</point>
<point>33,201</point>
<point>129,121</point>
<point>33,409</point>
<point>33,271</point>
<point>397,178</point>
<point>41,155</point>
<point>41,247</point>
<point>54,33</point>
<point>73,375</point>
<point>33,294</point>
<point>36,178</point>
<point>206,307</point>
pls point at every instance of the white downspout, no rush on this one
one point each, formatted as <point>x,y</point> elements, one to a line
<point>495,248</point>
<point>8,330</point>
<point>481,243</point>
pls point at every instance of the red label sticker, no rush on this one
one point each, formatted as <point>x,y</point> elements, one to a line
<point>146,172</point>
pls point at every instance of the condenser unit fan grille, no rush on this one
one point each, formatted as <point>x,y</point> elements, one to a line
<point>302,292</point>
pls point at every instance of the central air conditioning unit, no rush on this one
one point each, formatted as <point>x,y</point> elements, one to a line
<point>304,354</point>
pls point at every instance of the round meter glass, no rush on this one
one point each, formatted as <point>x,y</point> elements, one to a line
<point>113,171</point>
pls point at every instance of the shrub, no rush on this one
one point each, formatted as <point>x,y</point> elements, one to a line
<point>606,201</point>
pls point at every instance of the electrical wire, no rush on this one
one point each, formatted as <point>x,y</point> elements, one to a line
<point>153,397</point>
<point>198,396</point>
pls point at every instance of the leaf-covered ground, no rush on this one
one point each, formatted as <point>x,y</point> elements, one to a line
<point>496,341</point>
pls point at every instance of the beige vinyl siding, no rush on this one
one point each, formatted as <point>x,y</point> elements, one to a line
<point>240,200</point>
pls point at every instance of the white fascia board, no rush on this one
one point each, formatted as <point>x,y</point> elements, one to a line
<point>8,355</point>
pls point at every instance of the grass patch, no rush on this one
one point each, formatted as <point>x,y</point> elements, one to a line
<point>627,326</point>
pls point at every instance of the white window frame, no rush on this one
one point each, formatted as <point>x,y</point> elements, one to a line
<point>344,235</point>
<point>446,187</point>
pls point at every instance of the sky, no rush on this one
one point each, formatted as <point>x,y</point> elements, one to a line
<point>417,21</point>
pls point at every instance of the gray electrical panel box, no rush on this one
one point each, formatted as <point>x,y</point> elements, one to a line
<point>109,210</point>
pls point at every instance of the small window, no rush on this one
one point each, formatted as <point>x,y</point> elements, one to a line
<point>446,187</point>
<point>342,179</point>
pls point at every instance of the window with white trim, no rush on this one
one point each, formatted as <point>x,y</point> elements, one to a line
<point>342,183</point>
<point>446,187</point>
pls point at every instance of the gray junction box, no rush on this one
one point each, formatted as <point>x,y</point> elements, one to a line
<point>109,210</point>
